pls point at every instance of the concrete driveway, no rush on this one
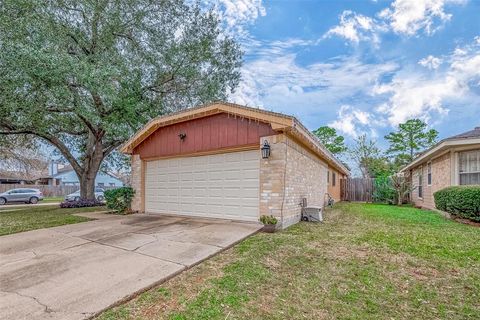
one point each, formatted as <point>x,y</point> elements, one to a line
<point>77,271</point>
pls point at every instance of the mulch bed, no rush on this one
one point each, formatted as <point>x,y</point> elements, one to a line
<point>466,221</point>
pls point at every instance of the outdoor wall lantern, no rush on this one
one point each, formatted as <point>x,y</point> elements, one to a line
<point>265,150</point>
<point>182,136</point>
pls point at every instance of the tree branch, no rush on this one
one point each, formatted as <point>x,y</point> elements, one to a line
<point>89,125</point>
<point>53,140</point>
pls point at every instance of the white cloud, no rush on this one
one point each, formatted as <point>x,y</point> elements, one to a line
<point>355,27</point>
<point>410,16</point>
<point>280,82</point>
<point>406,17</point>
<point>261,49</point>
<point>237,14</point>
<point>423,95</point>
<point>351,121</point>
<point>430,62</point>
<point>415,98</point>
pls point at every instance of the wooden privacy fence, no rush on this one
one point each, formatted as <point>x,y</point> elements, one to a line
<point>48,191</point>
<point>357,189</point>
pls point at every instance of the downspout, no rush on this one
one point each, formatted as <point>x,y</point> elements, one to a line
<point>284,179</point>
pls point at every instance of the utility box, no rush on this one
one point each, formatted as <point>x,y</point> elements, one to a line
<point>313,214</point>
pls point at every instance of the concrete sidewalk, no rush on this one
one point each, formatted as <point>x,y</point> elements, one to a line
<point>79,270</point>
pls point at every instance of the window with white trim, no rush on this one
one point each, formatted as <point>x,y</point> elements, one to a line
<point>429,174</point>
<point>469,167</point>
<point>420,182</point>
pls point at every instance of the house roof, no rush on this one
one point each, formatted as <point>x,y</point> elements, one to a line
<point>463,139</point>
<point>14,175</point>
<point>279,122</point>
<point>475,133</point>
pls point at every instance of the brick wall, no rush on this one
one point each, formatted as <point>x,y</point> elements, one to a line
<point>441,178</point>
<point>136,182</point>
<point>290,174</point>
<point>272,176</point>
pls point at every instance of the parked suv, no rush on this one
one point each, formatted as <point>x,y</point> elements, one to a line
<point>76,195</point>
<point>26,195</point>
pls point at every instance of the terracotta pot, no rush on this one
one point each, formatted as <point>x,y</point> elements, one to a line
<point>269,228</point>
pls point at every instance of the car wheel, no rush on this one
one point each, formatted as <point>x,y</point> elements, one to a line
<point>76,199</point>
<point>3,201</point>
<point>33,200</point>
<point>100,198</point>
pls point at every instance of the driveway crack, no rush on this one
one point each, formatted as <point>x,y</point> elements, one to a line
<point>47,308</point>
<point>136,252</point>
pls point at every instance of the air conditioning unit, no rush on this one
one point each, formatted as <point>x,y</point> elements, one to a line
<point>312,214</point>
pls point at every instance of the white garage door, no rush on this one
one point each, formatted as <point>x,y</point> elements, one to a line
<point>217,186</point>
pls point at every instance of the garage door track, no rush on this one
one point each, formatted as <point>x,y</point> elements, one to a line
<point>79,270</point>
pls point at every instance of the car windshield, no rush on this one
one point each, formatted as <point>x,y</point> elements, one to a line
<point>98,190</point>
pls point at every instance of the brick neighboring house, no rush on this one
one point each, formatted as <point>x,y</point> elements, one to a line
<point>452,161</point>
<point>207,161</point>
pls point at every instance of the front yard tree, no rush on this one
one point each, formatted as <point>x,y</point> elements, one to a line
<point>331,140</point>
<point>83,75</point>
<point>411,138</point>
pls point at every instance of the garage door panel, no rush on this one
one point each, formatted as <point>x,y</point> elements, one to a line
<point>232,193</point>
<point>215,175</point>
<point>249,184</point>
<point>250,193</point>
<point>219,186</point>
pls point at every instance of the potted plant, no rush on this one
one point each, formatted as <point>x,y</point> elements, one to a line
<point>269,223</point>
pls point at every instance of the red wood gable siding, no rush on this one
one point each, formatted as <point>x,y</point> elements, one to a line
<point>205,134</point>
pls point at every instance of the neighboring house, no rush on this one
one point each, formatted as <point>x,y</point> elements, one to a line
<point>22,173</point>
<point>7,177</point>
<point>65,175</point>
<point>333,182</point>
<point>452,161</point>
<point>208,161</point>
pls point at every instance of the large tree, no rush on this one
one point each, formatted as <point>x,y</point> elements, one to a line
<point>331,140</point>
<point>83,75</point>
<point>411,138</point>
<point>369,158</point>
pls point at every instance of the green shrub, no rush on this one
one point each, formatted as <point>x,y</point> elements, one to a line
<point>463,201</point>
<point>120,199</point>
<point>384,191</point>
<point>268,219</point>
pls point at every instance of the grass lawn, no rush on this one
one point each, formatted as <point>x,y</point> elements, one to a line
<point>52,199</point>
<point>15,220</point>
<point>365,262</point>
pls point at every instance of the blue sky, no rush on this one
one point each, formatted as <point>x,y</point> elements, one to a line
<point>360,66</point>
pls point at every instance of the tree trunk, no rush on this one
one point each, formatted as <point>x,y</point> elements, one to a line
<point>91,167</point>
<point>400,198</point>
<point>87,180</point>
<point>87,187</point>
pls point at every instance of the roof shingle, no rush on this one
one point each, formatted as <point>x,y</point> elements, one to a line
<point>475,133</point>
